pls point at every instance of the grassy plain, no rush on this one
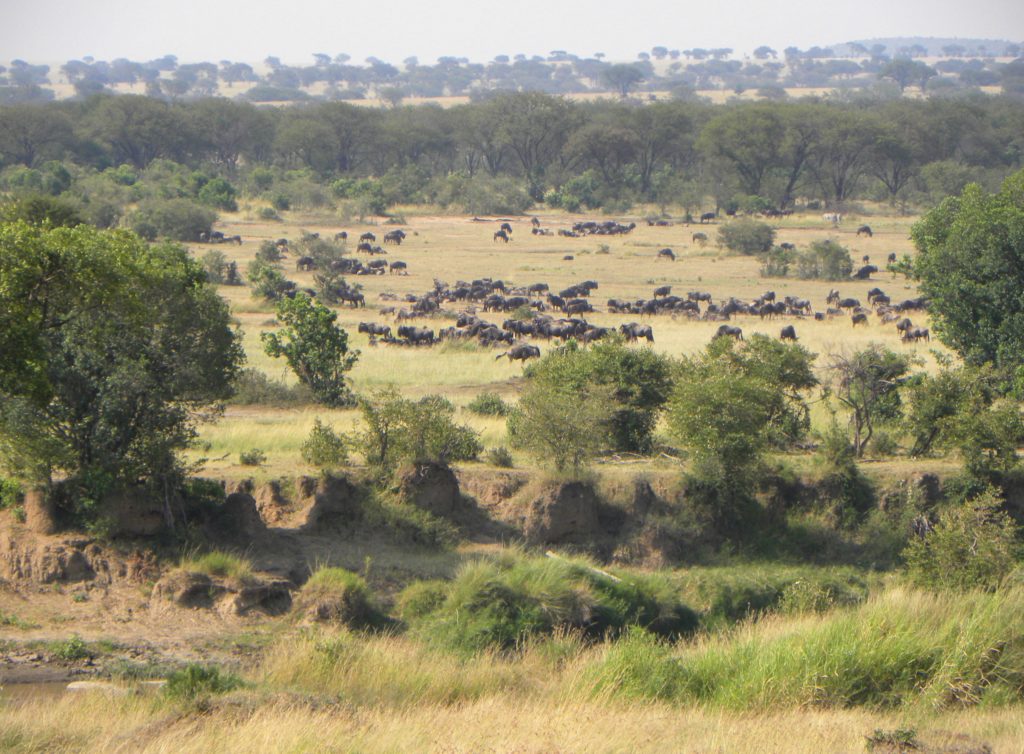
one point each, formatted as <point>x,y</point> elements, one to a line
<point>454,247</point>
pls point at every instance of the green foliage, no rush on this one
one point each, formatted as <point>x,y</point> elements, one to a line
<point>488,404</point>
<point>340,596</point>
<point>176,219</point>
<point>44,211</point>
<point>420,599</point>
<point>900,739</point>
<point>268,282</point>
<point>10,493</point>
<point>216,266</point>
<point>776,262</point>
<point>500,457</point>
<point>254,388</point>
<point>71,649</point>
<point>219,194</point>
<point>252,457</point>
<point>824,260</point>
<point>324,446</point>
<point>269,252</point>
<point>968,266</point>
<point>195,683</point>
<point>638,379</point>
<point>747,236</point>
<point>315,348</point>
<point>114,348</point>
<point>843,490</point>
<point>974,545</point>
<point>500,603</point>
<point>398,429</point>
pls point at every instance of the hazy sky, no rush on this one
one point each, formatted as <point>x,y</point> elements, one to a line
<point>197,30</point>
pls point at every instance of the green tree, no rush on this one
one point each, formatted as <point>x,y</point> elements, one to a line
<point>868,384</point>
<point>47,211</point>
<point>747,236</point>
<point>824,260</point>
<point>905,72</point>
<point>315,348</point>
<point>974,545</point>
<point>622,77</point>
<point>112,348</point>
<point>969,268</point>
<point>177,219</point>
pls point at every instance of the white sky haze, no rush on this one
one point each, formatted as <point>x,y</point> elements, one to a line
<point>54,31</point>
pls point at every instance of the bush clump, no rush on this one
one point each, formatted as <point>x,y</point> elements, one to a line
<point>502,602</point>
<point>252,457</point>
<point>196,682</point>
<point>824,260</point>
<point>747,236</point>
<point>218,563</point>
<point>324,446</point>
<point>488,404</point>
<point>177,219</point>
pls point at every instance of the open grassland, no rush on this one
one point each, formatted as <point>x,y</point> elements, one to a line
<point>450,248</point>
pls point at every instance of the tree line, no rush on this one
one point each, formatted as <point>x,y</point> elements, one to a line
<point>511,150</point>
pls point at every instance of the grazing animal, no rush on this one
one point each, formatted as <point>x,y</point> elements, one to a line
<point>666,254</point>
<point>664,290</point>
<point>708,217</point>
<point>305,264</point>
<point>701,238</point>
<point>729,331</point>
<point>568,258</point>
<point>368,237</point>
<point>520,353</point>
<point>915,334</point>
<point>507,227</point>
<point>398,267</point>
<point>865,272</point>
<point>502,236</point>
<point>373,328</point>
<point>860,318</point>
<point>634,331</point>
<point>788,333</point>
<point>535,222</point>
<point>865,230</point>
<point>891,259</point>
<point>395,236</point>
<point>848,303</point>
<point>341,235</point>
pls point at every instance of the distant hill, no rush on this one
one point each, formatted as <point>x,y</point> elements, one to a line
<point>933,47</point>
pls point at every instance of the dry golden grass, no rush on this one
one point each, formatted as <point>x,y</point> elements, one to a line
<point>453,247</point>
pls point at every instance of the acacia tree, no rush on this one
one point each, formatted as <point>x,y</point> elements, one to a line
<point>315,348</point>
<point>112,350</point>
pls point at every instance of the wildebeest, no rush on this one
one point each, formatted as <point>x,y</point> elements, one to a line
<point>395,236</point>
<point>568,258</point>
<point>634,331</point>
<point>664,290</point>
<point>305,264</point>
<point>708,217</point>
<point>915,334</point>
<point>341,235</point>
<point>374,328</point>
<point>398,267</point>
<point>729,331</point>
<point>788,333</point>
<point>507,227</point>
<point>860,318</point>
<point>699,296</point>
<point>416,335</point>
<point>352,297</point>
<point>535,222</point>
<point>891,259</point>
<point>666,254</point>
<point>865,272</point>
<point>701,238</point>
<point>521,352</point>
<point>848,303</point>
<point>502,236</point>
<point>865,230</point>
<point>368,237</point>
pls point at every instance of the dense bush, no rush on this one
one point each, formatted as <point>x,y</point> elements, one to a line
<point>253,387</point>
<point>324,446</point>
<point>488,404</point>
<point>196,682</point>
<point>177,219</point>
<point>747,236</point>
<point>334,594</point>
<point>824,260</point>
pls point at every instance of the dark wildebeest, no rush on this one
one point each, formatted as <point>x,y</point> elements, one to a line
<point>701,238</point>
<point>305,264</point>
<point>729,331</point>
<point>915,334</point>
<point>568,258</point>
<point>788,333</point>
<point>666,254</point>
<point>416,335</point>
<point>352,297</point>
<point>875,292</point>
<point>865,272</point>
<point>865,230</point>
<point>860,318</point>
<point>903,325</point>
<point>507,227</point>
<point>891,259</point>
<point>708,217</point>
<point>372,328</point>
<point>520,353</point>
<point>848,303</point>
<point>397,266</point>
<point>664,290</point>
<point>341,235</point>
<point>365,247</point>
<point>395,236</point>
<point>634,331</point>
<point>699,296</point>
<point>535,222</point>
<point>368,237</point>
<point>501,236</point>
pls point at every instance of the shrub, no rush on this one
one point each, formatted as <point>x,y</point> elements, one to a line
<point>253,387</point>
<point>269,213</point>
<point>324,446</point>
<point>216,265</point>
<point>196,682</point>
<point>269,252</point>
<point>338,595</point>
<point>218,563</point>
<point>824,260</point>
<point>10,493</point>
<point>71,650</point>
<point>776,262</point>
<point>398,429</point>
<point>220,194</point>
<point>500,457</point>
<point>973,545</point>
<point>747,236</point>
<point>252,457</point>
<point>421,598</point>
<point>488,404</point>
<point>845,493</point>
<point>177,219</point>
